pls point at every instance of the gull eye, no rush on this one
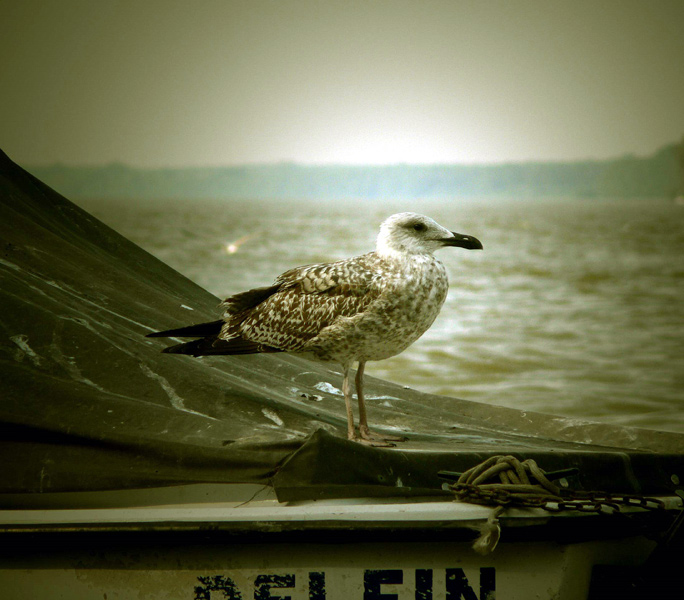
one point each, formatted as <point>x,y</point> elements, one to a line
<point>419,227</point>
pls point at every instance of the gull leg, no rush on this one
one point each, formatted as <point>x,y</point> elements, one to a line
<point>367,436</point>
<point>363,418</point>
<point>346,390</point>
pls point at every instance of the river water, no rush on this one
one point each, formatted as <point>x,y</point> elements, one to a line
<point>573,308</point>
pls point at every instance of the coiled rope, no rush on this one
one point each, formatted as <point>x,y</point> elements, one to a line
<point>505,481</point>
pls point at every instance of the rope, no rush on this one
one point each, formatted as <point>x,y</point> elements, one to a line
<point>505,481</point>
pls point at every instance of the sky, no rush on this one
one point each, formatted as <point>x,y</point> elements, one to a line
<point>207,83</point>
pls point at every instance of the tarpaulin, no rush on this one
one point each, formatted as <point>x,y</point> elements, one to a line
<point>87,402</point>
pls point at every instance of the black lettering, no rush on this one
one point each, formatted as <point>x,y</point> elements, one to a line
<point>218,583</point>
<point>457,586</point>
<point>317,586</point>
<point>423,584</point>
<point>487,583</point>
<point>264,583</point>
<point>373,579</point>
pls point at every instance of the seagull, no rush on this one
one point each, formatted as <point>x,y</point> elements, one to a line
<point>366,308</point>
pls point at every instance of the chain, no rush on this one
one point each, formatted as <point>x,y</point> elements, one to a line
<point>526,484</point>
<point>504,481</point>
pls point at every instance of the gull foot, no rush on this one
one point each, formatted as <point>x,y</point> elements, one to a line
<point>371,436</point>
<point>375,443</point>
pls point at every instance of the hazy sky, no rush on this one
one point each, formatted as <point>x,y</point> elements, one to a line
<point>166,83</point>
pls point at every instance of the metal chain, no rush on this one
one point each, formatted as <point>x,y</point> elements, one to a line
<point>526,484</point>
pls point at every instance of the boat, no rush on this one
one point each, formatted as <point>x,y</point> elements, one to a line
<point>131,474</point>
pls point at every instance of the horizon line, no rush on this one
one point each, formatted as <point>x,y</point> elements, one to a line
<point>314,164</point>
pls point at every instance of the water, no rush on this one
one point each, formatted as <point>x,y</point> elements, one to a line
<point>573,308</point>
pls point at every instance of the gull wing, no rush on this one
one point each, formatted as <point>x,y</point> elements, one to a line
<point>308,300</point>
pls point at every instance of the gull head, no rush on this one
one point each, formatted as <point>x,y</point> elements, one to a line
<point>411,233</point>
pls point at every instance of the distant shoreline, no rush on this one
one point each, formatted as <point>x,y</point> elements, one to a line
<point>657,175</point>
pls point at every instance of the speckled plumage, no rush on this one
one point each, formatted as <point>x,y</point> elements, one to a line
<point>365,308</point>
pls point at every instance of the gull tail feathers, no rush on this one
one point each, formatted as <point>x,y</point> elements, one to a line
<point>197,330</point>
<point>213,346</point>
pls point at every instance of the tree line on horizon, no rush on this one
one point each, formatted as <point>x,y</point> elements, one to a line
<point>658,175</point>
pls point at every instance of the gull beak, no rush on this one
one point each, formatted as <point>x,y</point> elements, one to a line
<point>463,241</point>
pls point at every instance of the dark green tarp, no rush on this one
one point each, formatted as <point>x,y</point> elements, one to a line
<point>88,403</point>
